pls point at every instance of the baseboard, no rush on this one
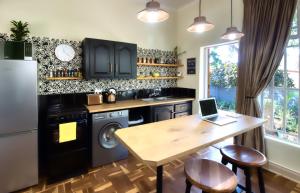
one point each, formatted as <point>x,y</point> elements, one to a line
<point>283,171</point>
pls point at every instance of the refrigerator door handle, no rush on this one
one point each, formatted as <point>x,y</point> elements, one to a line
<point>18,133</point>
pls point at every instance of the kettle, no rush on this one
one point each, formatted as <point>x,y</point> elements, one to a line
<point>111,95</point>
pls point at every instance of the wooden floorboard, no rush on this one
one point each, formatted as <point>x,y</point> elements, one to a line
<point>130,176</point>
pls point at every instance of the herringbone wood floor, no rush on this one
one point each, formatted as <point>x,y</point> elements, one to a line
<point>130,176</point>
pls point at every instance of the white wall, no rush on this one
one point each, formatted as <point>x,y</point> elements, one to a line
<point>284,158</point>
<point>77,19</point>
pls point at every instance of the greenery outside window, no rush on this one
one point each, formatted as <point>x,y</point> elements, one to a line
<point>222,74</point>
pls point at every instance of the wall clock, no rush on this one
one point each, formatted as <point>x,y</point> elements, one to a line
<point>64,52</point>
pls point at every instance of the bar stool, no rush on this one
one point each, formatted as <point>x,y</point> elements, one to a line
<point>209,176</point>
<point>245,158</point>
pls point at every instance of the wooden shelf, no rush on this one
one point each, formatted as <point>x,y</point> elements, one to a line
<point>64,78</point>
<point>159,78</point>
<point>161,65</point>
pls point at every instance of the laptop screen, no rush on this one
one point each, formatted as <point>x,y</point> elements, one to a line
<point>208,107</point>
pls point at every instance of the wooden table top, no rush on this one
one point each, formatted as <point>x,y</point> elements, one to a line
<point>127,104</point>
<point>158,143</point>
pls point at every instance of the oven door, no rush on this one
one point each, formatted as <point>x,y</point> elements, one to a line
<point>54,144</point>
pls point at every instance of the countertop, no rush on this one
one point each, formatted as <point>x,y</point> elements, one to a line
<point>128,104</point>
<point>161,142</point>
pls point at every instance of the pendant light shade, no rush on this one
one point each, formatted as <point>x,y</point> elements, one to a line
<point>153,13</point>
<point>200,23</point>
<point>232,33</point>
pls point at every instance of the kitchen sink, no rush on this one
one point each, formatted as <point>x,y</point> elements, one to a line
<point>157,99</point>
<point>148,99</point>
<point>163,98</point>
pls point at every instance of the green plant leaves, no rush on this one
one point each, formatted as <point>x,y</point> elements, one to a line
<point>19,30</point>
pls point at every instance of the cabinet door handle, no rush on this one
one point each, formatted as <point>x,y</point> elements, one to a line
<point>111,66</point>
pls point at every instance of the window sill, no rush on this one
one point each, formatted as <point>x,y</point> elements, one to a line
<point>282,141</point>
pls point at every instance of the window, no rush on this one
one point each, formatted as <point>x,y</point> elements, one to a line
<point>280,100</point>
<point>222,76</point>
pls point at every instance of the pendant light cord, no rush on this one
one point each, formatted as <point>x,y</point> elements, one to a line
<point>199,7</point>
<point>231,15</point>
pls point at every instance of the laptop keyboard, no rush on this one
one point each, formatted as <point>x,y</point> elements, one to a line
<point>213,118</point>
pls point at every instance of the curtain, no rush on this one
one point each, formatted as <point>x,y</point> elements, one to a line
<point>266,24</point>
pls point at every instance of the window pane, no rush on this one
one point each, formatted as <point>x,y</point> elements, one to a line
<point>294,30</point>
<point>279,78</point>
<point>292,115</point>
<point>268,112</point>
<point>293,79</point>
<point>292,62</point>
<point>278,105</point>
<point>293,43</point>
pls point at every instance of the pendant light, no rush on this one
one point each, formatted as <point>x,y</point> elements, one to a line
<point>153,13</point>
<point>200,24</point>
<point>232,33</point>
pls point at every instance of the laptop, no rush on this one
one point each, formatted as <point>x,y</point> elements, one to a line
<point>209,112</point>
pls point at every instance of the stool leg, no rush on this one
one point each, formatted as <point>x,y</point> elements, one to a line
<point>188,186</point>
<point>234,168</point>
<point>224,161</point>
<point>248,180</point>
<point>261,180</point>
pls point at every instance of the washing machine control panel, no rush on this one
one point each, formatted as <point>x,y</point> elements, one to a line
<point>110,115</point>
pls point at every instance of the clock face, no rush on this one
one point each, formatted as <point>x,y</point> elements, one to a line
<point>64,52</point>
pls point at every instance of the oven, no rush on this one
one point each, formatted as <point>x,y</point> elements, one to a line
<point>66,142</point>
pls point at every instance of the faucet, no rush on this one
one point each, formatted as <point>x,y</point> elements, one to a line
<point>156,92</point>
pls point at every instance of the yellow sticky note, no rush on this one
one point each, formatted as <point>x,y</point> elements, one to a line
<point>67,132</point>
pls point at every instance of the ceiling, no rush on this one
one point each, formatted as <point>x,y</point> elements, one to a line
<point>173,4</point>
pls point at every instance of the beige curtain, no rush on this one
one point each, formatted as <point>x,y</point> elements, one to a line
<point>266,25</point>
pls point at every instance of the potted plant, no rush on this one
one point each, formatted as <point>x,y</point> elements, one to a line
<point>176,55</point>
<point>17,48</point>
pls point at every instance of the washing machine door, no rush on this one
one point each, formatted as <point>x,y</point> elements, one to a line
<point>106,137</point>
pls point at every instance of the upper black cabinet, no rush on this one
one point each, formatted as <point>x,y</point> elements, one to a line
<point>125,60</point>
<point>108,59</point>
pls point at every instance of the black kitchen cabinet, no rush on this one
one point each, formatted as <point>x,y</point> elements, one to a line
<point>163,112</point>
<point>104,59</point>
<point>125,60</point>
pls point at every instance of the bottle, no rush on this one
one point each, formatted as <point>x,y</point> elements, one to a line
<point>79,73</point>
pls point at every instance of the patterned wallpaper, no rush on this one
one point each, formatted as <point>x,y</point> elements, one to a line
<point>44,53</point>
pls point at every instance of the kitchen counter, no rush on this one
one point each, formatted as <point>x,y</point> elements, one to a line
<point>161,142</point>
<point>128,104</point>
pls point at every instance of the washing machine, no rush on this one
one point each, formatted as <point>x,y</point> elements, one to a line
<point>105,147</point>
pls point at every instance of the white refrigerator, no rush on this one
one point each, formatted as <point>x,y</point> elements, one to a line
<point>18,125</point>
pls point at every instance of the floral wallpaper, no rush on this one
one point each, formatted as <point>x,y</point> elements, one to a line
<point>44,53</point>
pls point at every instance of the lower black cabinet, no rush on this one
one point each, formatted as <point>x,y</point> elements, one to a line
<point>183,114</point>
<point>165,112</point>
<point>160,113</point>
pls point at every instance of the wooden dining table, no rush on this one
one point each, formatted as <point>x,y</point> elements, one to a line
<point>156,144</point>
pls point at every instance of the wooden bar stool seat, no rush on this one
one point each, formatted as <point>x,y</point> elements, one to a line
<point>209,176</point>
<point>245,158</point>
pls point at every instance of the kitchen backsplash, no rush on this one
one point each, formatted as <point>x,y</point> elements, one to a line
<point>44,53</point>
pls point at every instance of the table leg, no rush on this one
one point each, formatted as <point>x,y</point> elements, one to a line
<point>159,179</point>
